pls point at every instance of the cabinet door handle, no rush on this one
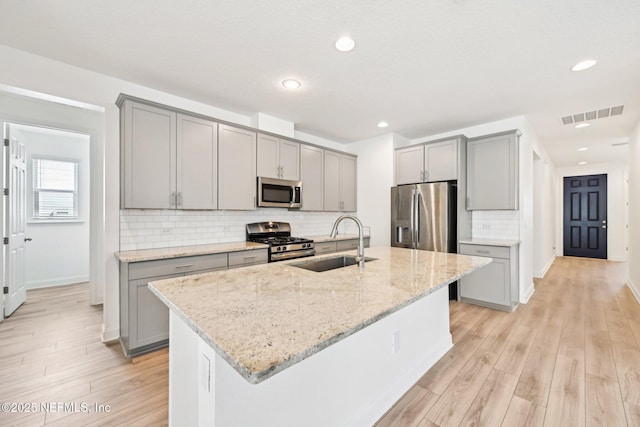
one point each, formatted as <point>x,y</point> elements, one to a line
<point>179,202</point>
<point>184,265</point>
<point>172,198</point>
<point>480,251</point>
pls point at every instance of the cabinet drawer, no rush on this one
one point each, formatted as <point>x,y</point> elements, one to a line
<point>242,258</point>
<point>161,267</point>
<point>345,245</point>
<point>325,248</point>
<point>487,251</point>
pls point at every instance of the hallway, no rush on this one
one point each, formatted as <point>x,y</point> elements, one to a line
<point>570,357</point>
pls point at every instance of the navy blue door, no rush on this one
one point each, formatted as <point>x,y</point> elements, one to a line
<point>585,216</point>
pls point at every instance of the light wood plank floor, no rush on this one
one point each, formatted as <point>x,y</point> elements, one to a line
<point>570,357</point>
<point>51,353</point>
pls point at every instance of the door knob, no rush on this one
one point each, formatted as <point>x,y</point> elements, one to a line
<point>28,239</point>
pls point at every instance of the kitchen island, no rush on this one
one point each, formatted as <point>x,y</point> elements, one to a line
<point>280,345</point>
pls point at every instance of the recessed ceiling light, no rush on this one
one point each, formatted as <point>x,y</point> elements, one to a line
<point>583,65</point>
<point>582,163</point>
<point>291,84</point>
<point>583,148</point>
<point>345,44</point>
<point>383,124</point>
<point>582,125</point>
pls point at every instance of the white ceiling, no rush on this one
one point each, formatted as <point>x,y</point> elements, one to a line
<point>424,66</point>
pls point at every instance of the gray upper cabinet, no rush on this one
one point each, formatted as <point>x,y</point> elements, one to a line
<point>433,161</point>
<point>339,182</point>
<point>492,172</point>
<point>311,175</point>
<point>169,160</point>
<point>237,168</point>
<point>278,158</point>
<point>148,157</point>
<point>409,165</point>
<point>441,161</point>
<point>197,163</point>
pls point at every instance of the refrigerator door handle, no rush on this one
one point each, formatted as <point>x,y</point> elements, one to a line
<point>412,224</point>
<point>417,220</point>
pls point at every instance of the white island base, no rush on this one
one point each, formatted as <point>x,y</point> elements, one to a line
<point>353,382</point>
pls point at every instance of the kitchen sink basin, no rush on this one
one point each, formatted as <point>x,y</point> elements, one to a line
<point>327,264</point>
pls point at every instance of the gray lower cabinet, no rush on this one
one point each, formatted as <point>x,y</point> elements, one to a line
<point>144,319</point>
<point>339,245</point>
<point>247,258</point>
<point>496,284</point>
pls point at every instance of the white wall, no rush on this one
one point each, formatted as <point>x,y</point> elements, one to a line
<point>46,263</point>
<point>616,205</point>
<point>634,212</point>
<point>544,216</point>
<point>375,179</point>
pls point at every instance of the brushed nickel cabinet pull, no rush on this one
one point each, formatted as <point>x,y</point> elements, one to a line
<point>184,265</point>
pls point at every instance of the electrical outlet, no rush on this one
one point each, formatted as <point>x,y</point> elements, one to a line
<point>205,373</point>
<point>166,230</point>
<point>395,342</point>
<point>486,226</point>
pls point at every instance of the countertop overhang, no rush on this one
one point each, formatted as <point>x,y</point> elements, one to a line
<point>265,318</point>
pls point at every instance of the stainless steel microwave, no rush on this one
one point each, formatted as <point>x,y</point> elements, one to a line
<point>279,193</point>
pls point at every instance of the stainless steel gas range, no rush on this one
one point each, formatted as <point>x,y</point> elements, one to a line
<point>278,236</point>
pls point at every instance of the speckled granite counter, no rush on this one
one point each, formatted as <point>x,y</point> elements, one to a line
<point>265,318</point>
<point>181,251</point>
<point>491,242</point>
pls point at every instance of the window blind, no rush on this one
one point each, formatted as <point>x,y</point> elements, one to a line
<point>55,189</point>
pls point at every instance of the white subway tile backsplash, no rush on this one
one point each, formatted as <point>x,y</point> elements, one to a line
<point>146,229</point>
<point>495,225</point>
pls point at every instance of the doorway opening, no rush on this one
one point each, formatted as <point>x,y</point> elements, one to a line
<point>46,209</point>
<point>585,216</point>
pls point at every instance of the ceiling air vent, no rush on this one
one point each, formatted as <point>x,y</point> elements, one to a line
<point>592,115</point>
<point>616,111</point>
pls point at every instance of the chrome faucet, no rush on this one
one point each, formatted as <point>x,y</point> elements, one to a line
<point>334,233</point>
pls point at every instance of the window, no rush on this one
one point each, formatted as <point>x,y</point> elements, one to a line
<point>55,189</point>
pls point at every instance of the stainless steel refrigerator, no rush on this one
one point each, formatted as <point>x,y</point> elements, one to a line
<point>423,216</point>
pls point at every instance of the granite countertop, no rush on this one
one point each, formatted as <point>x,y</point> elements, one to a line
<point>180,251</point>
<point>491,242</point>
<point>265,318</point>
<point>326,238</point>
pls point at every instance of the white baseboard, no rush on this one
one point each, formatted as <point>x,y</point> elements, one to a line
<point>527,293</point>
<point>634,289</point>
<point>111,335</point>
<point>547,266</point>
<point>60,281</point>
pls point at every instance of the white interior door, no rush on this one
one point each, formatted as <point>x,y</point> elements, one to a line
<point>15,223</point>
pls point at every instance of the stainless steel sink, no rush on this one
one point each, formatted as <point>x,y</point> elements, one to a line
<point>327,264</point>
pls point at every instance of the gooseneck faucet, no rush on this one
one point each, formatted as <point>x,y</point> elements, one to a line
<point>334,233</point>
